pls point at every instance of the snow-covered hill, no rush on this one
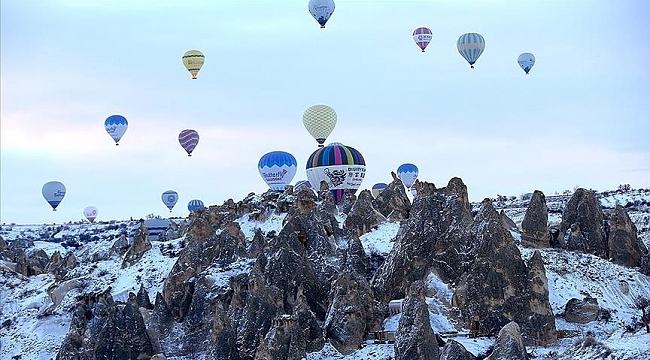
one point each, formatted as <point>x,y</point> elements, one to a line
<point>30,327</point>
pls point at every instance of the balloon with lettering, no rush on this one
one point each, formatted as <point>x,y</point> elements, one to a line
<point>319,120</point>
<point>321,10</point>
<point>195,205</point>
<point>116,126</point>
<point>193,61</point>
<point>341,167</point>
<point>53,192</point>
<point>407,173</point>
<point>378,188</point>
<point>90,212</point>
<point>189,139</point>
<point>422,37</point>
<point>471,46</point>
<point>302,183</point>
<point>277,168</point>
<point>526,61</point>
<point>169,198</point>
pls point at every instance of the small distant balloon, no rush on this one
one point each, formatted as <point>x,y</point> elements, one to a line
<point>189,139</point>
<point>195,204</point>
<point>90,212</point>
<point>277,168</point>
<point>302,183</point>
<point>193,61</point>
<point>116,126</point>
<point>378,188</point>
<point>526,61</point>
<point>53,192</point>
<point>407,173</point>
<point>169,198</point>
<point>422,37</point>
<point>414,191</point>
<point>320,121</point>
<point>321,10</point>
<point>471,46</point>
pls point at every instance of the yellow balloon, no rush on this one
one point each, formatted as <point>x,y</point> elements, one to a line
<point>319,120</point>
<point>193,60</point>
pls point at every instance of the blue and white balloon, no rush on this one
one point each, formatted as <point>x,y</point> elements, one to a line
<point>471,46</point>
<point>53,192</point>
<point>169,198</point>
<point>407,173</point>
<point>277,168</point>
<point>321,10</point>
<point>302,183</point>
<point>378,188</point>
<point>116,126</point>
<point>195,204</point>
<point>526,61</point>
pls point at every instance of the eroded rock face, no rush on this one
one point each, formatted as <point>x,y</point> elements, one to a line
<point>625,247</point>
<point>351,312</point>
<point>454,350</point>
<point>415,338</point>
<point>393,202</point>
<point>581,311</point>
<point>509,344</point>
<point>542,313</point>
<point>141,244</point>
<point>534,230</point>
<point>363,217</point>
<point>582,225</point>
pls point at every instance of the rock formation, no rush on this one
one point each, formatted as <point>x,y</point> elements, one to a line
<point>581,311</point>
<point>625,247</point>
<point>582,225</point>
<point>534,230</point>
<point>415,338</point>
<point>509,344</point>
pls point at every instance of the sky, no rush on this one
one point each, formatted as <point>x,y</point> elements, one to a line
<point>579,119</point>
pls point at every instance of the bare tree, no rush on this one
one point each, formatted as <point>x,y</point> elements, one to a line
<point>643,303</point>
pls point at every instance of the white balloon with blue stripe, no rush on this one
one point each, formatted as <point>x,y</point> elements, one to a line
<point>169,198</point>
<point>53,192</point>
<point>471,46</point>
<point>407,173</point>
<point>195,204</point>
<point>277,168</point>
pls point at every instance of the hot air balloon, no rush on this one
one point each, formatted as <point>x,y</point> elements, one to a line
<point>378,188</point>
<point>342,167</point>
<point>302,183</point>
<point>321,10</point>
<point>188,139</point>
<point>414,191</point>
<point>193,61</point>
<point>319,120</point>
<point>277,168</point>
<point>53,192</point>
<point>195,205</point>
<point>169,198</point>
<point>116,126</point>
<point>407,173</point>
<point>526,61</point>
<point>422,36</point>
<point>90,212</point>
<point>471,46</point>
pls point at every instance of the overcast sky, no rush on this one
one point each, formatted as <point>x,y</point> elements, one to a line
<point>580,119</point>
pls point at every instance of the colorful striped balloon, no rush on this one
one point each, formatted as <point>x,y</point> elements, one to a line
<point>341,167</point>
<point>188,139</point>
<point>422,37</point>
<point>471,46</point>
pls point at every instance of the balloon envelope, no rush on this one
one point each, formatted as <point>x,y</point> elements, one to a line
<point>321,10</point>
<point>193,61</point>
<point>526,61</point>
<point>116,126</point>
<point>53,192</point>
<point>341,167</point>
<point>407,173</point>
<point>414,191</point>
<point>471,46</point>
<point>277,168</point>
<point>319,120</point>
<point>378,188</point>
<point>422,36</point>
<point>169,198</point>
<point>90,212</point>
<point>302,183</point>
<point>189,139</point>
<point>195,205</point>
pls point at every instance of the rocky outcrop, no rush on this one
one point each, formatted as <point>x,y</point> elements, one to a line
<point>351,312</point>
<point>582,225</point>
<point>581,311</point>
<point>363,217</point>
<point>542,314</point>
<point>509,344</point>
<point>454,350</point>
<point>392,202</point>
<point>141,244</point>
<point>60,266</point>
<point>534,230</point>
<point>625,247</point>
<point>415,338</point>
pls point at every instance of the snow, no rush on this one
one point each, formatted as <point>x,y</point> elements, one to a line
<point>248,227</point>
<point>381,239</point>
